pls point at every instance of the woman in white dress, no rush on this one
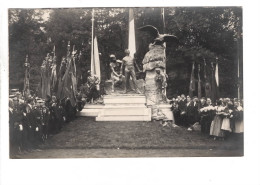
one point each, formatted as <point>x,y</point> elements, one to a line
<point>238,118</point>
<point>215,128</point>
<point>226,125</point>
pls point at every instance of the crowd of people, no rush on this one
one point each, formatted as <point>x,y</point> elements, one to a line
<point>32,120</point>
<point>217,120</point>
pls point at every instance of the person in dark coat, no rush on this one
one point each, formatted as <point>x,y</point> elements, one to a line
<point>206,116</point>
<point>182,107</point>
<point>189,112</point>
<point>196,109</point>
<point>203,115</point>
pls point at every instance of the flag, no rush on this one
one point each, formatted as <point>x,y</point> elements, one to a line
<point>67,84</point>
<point>213,84</point>
<point>192,81</point>
<point>26,89</point>
<point>45,84</point>
<point>163,20</point>
<point>216,75</point>
<point>95,62</point>
<point>207,83</point>
<point>131,34</point>
<point>53,70</point>
<point>199,82</point>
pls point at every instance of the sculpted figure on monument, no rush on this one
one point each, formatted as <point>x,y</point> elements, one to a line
<point>115,67</point>
<point>128,65</point>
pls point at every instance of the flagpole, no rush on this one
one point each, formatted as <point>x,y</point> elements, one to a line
<point>131,33</point>
<point>92,43</point>
<point>238,87</point>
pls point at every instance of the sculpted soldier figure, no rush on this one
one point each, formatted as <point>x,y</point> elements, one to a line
<point>161,84</point>
<point>93,87</point>
<point>129,65</point>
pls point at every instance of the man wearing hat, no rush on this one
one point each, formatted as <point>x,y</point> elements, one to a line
<point>128,64</point>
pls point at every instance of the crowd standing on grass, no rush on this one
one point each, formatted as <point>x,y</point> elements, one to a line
<point>217,120</point>
<point>33,120</point>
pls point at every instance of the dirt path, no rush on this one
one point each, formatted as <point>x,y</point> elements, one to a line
<point>86,138</point>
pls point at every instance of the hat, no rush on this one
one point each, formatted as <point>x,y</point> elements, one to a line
<point>74,52</point>
<point>40,101</point>
<point>11,96</point>
<point>112,56</point>
<point>14,90</point>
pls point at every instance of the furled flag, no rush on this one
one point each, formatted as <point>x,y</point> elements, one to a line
<point>163,20</point>
<point>26,89</point>
<point>67,83</point>
<point>192,81</point>
<point>199,82</point>
<point>216,75</point>
<point>53,71</point>
<point>207,83</point>
<point>95,62</point>
<point>131,34</point>
<point>45,84</point>
<point>213,84</point>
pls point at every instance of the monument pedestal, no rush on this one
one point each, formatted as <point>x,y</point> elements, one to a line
<point>119,107</point>
<point>128,107</point>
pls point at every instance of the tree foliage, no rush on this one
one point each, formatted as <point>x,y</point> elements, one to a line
<point>203,33</point>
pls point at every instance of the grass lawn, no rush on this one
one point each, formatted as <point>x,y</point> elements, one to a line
<point>85,133</point>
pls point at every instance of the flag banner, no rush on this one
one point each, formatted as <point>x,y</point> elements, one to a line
<point>213,85</point>
<point>45,85</point>
<point>216,75</point>
<point>68,85</point>
<point>207,83</point>
<point>192,81</point>
<point>163,20</point>
<point>26,86</point>
<point>95,62</point>
<point>131,34</point>
<point>53,76</point>
<point>53,71</point>
<point>199,82</point>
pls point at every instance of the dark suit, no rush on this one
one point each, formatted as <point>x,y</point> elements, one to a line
<point>191,113</point>
<point>182,108</point>
<point>205,120</point>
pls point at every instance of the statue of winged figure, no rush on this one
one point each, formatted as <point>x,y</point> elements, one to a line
<point>159,39</point>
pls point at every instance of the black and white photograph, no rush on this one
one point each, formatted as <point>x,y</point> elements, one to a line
<point>93,83</point>
<point>126,82</point>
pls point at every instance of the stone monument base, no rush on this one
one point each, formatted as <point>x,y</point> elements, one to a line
<point>119,107</point>
<point>120,87</point>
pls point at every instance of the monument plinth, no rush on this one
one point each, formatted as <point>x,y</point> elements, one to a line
<point>124,107</point>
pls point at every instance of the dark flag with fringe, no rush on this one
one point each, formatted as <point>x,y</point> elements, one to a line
<point>192,81</point>
<point>199,82</point>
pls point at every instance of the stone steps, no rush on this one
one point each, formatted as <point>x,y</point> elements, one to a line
<point>124,107</point>
<point>124,118</point>
<point>119,107</point>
